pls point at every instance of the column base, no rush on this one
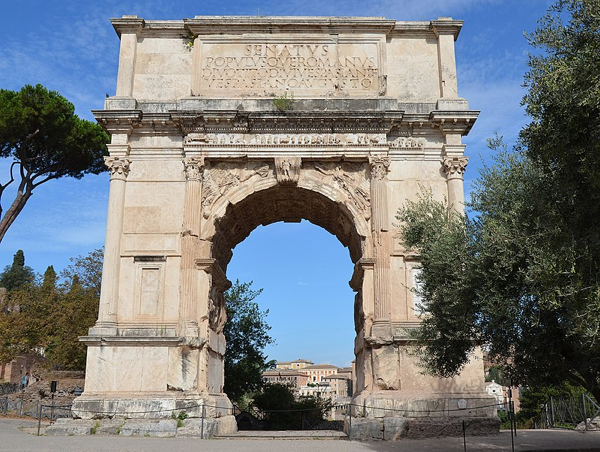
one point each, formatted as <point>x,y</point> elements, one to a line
<point>391,415</point>
<point>150,405</point>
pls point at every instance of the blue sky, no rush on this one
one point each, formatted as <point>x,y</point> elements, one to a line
<point>70,46</point>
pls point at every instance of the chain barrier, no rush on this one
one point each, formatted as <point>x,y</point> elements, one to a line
<point>57,411</point>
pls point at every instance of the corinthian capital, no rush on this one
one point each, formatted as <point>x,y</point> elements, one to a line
<point>193,167</point>
<point>118,167</point>
<point>455,166</point>
<point>379,167</point>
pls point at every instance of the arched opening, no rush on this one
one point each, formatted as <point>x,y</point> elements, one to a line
<point>304,272</point>
<point>293,204</point>
<point>289,204</point>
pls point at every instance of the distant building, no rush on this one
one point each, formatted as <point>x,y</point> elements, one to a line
<point>501,394</point>
<point>286,376</point>
<point>317,372</point>
<point>298,364</point>
<point>308,379</point>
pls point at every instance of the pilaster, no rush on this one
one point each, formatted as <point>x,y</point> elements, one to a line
<point>128,28</point>
<point>379,167</point>
<point>447,31</point>
<point>193,168</point>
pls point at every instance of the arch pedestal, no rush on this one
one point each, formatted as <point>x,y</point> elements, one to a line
<point>199,162</point>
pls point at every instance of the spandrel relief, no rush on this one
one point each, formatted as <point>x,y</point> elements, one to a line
<point>350,178</point>
<point>220,178</point>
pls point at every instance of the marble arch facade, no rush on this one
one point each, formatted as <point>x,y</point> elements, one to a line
<point>200,156</point>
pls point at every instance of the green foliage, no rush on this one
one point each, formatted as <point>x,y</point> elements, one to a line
<point>497,374</point>
<point>284,102</point>
<point>504,420</point>
<point>44,139</point>
<point>283,412</point>
<point>51,316</point>
<point>523,274</point>
<point>505,280</point>
<point>88,270</point>
<point>180,417</point>
<point>246,333</point>
<point>532,399</point>
<point>18,274</point>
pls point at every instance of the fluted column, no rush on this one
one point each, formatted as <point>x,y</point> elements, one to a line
<point>193,167</point>
<point>379,219</point>
<point>109,292</point>
<point>455,168</point>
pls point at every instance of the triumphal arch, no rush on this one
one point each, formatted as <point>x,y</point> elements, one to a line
<point>221,124</point>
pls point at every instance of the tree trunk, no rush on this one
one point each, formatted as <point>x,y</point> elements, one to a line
<point>14,210</point>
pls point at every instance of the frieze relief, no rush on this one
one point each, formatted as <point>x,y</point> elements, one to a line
<point>218,179</point>
<point>350,178</point>
<point>407,143</point>
<point>295,139</point>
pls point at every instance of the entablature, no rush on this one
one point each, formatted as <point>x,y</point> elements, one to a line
<point>390,122</point>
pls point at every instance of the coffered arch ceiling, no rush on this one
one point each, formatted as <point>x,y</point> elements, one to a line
<point>289,204</point>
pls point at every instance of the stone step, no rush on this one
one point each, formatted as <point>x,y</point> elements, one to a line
<point>285,434</point>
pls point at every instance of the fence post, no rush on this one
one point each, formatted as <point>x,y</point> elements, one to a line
<point>552,412</point>
<point>39,419</point>
<point>350,423</point>
<point>202,421</point>
<point>464,435</point>
<point>584,412</point>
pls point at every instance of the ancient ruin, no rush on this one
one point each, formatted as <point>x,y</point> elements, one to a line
<point>221,124</point>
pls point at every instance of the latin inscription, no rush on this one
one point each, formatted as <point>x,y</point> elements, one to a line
<point>277,67</point>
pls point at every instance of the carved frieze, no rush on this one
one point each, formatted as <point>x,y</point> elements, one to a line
<point>407,143</point>
<point>218,179</point>
<point>455,166</point>
<point>287,170</point>
<point>118,167</point>
<point>289,139</point>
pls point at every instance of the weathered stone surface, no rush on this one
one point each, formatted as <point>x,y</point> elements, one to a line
<point>197,428</point>
<point>364,429</point>
<point>142,427</point>
<point>70,427</point>
<point>592,425</point>
<point>394,428</point>
<point>109,426</point>
<point>225,425</point>
<point>440,427</point>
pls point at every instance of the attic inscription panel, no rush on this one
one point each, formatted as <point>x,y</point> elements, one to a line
<point>308,67</point>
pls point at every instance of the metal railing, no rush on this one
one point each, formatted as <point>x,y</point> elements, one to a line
<point>568,412</point>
